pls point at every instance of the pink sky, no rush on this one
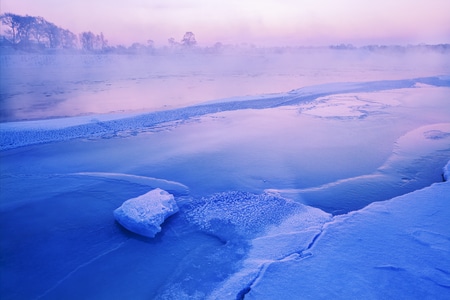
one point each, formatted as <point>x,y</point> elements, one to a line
<point>261,22</point>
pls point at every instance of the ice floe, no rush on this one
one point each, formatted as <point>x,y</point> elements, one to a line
<point>145,214</point>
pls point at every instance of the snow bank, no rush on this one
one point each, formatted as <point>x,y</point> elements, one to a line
<point>388,250</point>
<point>145,214</point>
<point>18,134</point>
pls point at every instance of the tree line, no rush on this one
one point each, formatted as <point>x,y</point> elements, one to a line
<point>27,32</point>
<point>35,33</point>
<point>30,33</point>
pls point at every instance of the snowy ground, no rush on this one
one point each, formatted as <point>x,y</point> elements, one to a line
<point>290,185</point>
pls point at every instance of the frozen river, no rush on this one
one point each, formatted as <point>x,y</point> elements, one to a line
<point>273,149</point>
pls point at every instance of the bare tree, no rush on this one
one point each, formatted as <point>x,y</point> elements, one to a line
<point>188,39</point>
<point>87,40</point>
<point>13,22</point>
<point>40,31</point>
<point>91,42</point>
<point>29,32</point>
<point>68,39</point>
<point>19,28</point>
<point>102,43</point>
<point>172,42</point>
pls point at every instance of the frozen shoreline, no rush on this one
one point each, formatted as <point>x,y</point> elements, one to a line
<point>19,134</point>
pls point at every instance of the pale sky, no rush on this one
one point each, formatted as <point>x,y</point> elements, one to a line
<point>261,22</point>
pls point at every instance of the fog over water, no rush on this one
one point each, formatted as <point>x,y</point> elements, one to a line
<point>47,86</point>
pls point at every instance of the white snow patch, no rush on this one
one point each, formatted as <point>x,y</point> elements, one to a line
<point>145,214</point>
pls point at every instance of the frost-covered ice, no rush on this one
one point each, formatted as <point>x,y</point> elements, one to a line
<point>237,215</point>
<point>285,229</point>
<point>145,214</point>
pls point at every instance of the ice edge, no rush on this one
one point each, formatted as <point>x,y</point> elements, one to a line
<point>13,135</point>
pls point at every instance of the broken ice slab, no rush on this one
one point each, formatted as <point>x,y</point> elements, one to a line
<point>145,214</point>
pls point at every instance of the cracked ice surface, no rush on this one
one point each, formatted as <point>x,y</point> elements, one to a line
<point>387,250</point>
<point>291,238</point>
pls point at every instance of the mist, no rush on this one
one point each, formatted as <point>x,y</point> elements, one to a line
<point>39,86</point>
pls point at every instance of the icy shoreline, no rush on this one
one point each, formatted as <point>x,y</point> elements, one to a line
<point>19,134</point>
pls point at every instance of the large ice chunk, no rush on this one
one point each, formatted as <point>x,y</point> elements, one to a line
<point>145,214</point>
